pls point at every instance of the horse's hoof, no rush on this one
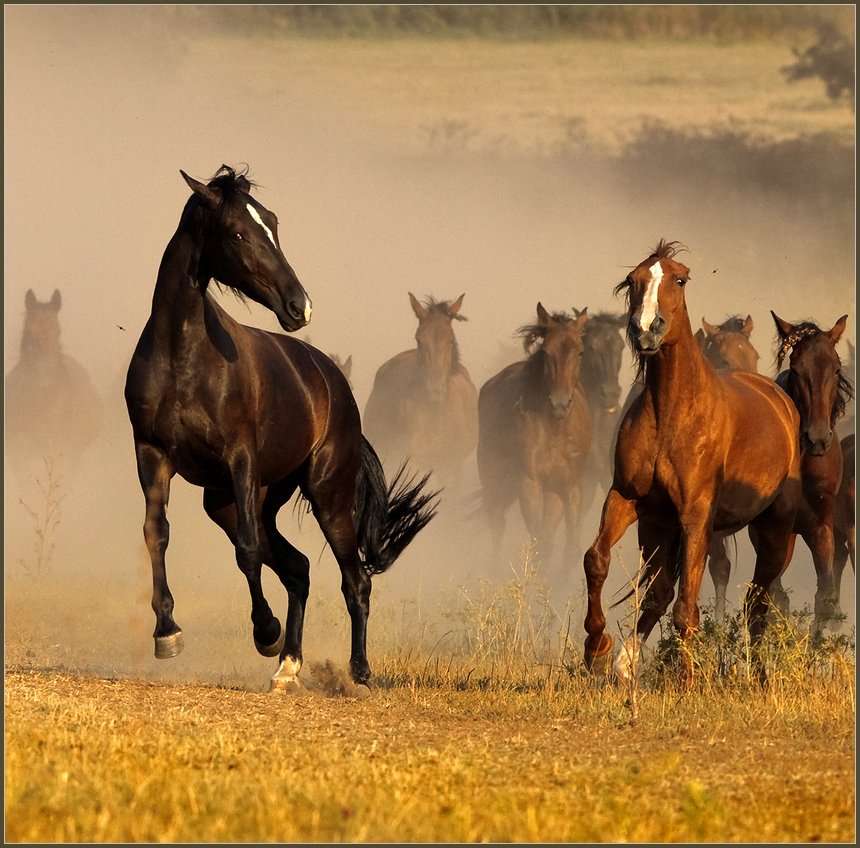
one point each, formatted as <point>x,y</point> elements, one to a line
<point>361,691</point>
<point>169,646</point>
<point>286,678</point>
<point>275,648</point>
<point>600,662</point>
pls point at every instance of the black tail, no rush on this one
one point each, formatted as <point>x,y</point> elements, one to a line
<point>388,517</point>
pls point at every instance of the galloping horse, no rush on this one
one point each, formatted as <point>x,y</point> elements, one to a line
<point>535,433</point>
<point>601,365</point>
<point>699,451</point>
<point>815,383</point>
<point>53,411</point>
<point>423,404</point>
<point>252,416</point>
<point>728,346</point>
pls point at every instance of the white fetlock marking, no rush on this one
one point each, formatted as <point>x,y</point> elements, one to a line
<point>287,674</point>
<point>623,664</point>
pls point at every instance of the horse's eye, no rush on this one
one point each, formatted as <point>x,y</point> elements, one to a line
<point>681,281</point>
<point>237,237</point>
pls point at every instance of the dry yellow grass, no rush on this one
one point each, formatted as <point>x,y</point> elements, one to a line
<point>98,760</point>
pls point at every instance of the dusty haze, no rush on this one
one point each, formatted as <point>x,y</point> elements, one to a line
<point>389,173</point>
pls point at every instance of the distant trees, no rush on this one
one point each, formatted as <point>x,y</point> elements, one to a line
<point>831,58</point>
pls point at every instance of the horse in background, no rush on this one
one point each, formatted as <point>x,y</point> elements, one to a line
<point>728,346</point>
<point>535,434</point>
<point>252,417</point>
<point>423,405</point>
<point>602,356</point>
<point>53,411</point>
<point>844,515</point>
<point>699,452</point>
<point>815,383</point>
<point>345,365</point>
<point>845,425</point>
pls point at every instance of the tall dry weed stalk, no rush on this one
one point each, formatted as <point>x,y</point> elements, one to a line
<point>45,518</point>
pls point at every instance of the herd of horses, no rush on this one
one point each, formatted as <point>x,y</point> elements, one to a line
<point>702,447</point>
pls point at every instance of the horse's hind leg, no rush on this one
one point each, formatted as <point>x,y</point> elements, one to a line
<point>293,570</point>
<point>222,508</point>
<point>154,472</point>
<point>720,568</point>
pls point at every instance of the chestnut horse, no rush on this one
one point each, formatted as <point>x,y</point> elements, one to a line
<point>53,411</point>
<point>535,434</point>
<point>252,416</point>
<point>423,405</point>
<point>815,383</point>
<point>699,451</point>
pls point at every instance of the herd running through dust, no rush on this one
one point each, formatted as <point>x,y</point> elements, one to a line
<point>703,446</point>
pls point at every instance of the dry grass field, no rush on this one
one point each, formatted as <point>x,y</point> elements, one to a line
<point>514,171</point>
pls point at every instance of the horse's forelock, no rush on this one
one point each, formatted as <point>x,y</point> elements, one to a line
<point>787,341</point>
<point>443,307</point>
<point>228,180</point>
<point>666,250</point>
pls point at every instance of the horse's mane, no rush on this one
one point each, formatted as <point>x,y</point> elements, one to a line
<point>533,334</point>
<point>231,181</point>
<point>443,307</point>
<point>807,329</point>
<point>603,321</point>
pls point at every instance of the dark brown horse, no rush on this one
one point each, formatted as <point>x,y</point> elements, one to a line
<point>252,416</point>
<point>53,411</point>
<point>699,451</point>
<point>815,383</point>
<point>844,515</point>
<point>603,351</point>
<point>423,404</point>
<point>535,434</point>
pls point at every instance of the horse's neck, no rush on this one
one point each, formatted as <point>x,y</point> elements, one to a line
<point>678,377</point>
<point>179,299</point>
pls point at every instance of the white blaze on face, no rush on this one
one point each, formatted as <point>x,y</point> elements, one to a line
<point>256,216</point>
<point>648,310</point>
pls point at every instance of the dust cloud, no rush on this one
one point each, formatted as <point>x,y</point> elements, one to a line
<point>104,105</point>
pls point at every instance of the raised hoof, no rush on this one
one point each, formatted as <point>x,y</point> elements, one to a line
<point>600,663</point>
<point>275,648</point>
<point>169,646</point>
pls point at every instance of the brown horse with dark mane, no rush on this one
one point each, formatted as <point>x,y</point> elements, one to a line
<point>699,451</point>
<point>814,381</point>
<point>53,411</point>
<point>252,417</point>
<point>535,434</point>
<point>423,405</point>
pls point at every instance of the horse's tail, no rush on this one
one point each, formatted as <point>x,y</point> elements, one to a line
<point>388,517</point>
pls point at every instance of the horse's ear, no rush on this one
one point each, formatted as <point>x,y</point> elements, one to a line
<point>212,196</point>
<point>243,183</point>
<point>748,326</point>
<point>836,331</point>
<point>57,300</point>
<point>710,329</point>
<point>577,313</point>
<point>454,308</point>
<point>542,314</point>
<point>699,336</point>
<point>850,348</point>
<point>581,317</point>
<point>347,366</point>
<point>782,327</point>
<point>30,299</point>
<point>419,310</point>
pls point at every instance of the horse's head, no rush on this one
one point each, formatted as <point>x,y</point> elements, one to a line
<point>437,348</point>
<point>240,247</point>
<point>555,344</point>
<point>41,334</point>
<point>728,345</point>
<point>814,379</point>
<point>656,307</point>
<point>601,359</point>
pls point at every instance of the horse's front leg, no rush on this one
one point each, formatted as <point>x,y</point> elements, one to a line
<point>268,634</point>
<point>695,520</point>
<point>818,535</point>
<point>155,472</point>
<point>618,514</point>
